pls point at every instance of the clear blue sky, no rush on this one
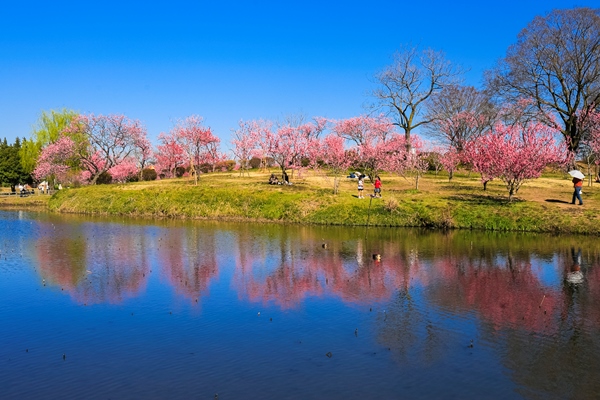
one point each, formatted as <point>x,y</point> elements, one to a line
<point>231,60</point>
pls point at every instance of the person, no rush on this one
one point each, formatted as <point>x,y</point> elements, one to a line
<point>21,189</point>
<point>577,185</point>
<point>286,178</point>
<point>575,276</point>
<point>360,187</point>
<point>272,180</point>
<point>377,185</point>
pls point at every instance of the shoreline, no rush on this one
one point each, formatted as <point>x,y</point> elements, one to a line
<point>438,204</point>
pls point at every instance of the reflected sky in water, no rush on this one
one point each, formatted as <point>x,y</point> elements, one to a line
<point>99,308</point>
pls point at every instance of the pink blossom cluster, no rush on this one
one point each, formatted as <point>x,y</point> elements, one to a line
<point>515,153</point>
<point>191,144</point>
<point>105,142</point>
<point>53,160</point>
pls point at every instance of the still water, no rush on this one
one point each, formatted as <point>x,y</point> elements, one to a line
<point>127,309</point>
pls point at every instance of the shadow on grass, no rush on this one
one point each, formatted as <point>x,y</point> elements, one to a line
<point>460,188</point>
<point>557,201</point>
<point>484,200</point>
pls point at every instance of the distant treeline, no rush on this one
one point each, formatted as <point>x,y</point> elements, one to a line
<point>11,169</point>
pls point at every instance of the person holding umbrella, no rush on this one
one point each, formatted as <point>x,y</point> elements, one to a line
<point>577,185</point>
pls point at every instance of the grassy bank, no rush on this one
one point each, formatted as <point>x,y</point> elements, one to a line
<point>36,201</point>
<point>542,205</point>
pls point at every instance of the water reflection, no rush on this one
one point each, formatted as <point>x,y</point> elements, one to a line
<point>94,264</point>
<point>500,277</point>
<point>529,302</point>
<point>188,261</point>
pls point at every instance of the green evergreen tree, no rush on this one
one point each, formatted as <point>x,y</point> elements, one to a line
<point>11,170</point>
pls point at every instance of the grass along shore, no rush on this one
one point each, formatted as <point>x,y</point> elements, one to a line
<point>542,205</point>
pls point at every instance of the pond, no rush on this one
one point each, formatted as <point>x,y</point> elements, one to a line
<point>110,309</point>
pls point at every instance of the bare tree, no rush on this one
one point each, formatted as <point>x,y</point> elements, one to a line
<point>556,64</point>
<point>404,86</point>
<point>459,113</point>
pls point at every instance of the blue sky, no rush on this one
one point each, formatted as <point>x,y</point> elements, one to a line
<point>226,61</point>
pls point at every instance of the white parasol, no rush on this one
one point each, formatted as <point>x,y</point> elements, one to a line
<point>577,174</point>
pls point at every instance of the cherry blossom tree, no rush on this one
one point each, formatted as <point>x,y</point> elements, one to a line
<point>195,140</point>
<point>334,156</point>
<point>260,130</point>
<point>458,113</point>
<point>450,160</point>
<point>434,157</point>
<point>54,159</point>
<point>363,129</point>
<point>371,135</point>
<point>556,62</point>
<point>103,142</point>
<point>406,160</point>
<point>125,170</point>
<point>589,146</point>
<point>515,153</point>
<point>143,155</point>
<point>245,142</point>
<point>169,154</point>
<point>213,156</point>
<point>288,144</point>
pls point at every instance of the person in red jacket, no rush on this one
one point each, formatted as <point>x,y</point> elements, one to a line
<point>577,184</point>
<point>377,184</point>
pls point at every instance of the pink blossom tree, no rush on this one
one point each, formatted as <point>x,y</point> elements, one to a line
<point>407,160</point>
<point>459,113</point>
<point>125,170</point>
<point>589,146</point>
<point>103,142</point>
<point>333,155</point>
<point>371,136</point>
<point>245,142</point>
<point>516,153</point>
<point>195,140</point>
<point>434,156</point>
<point>213,156</point>
<point>54,159</point>
<point>169,154</point>
<point>480,160</point>
<point>261,130</point>
<point>288,144</point>
<point>363,129</point>
<point>450,160</point>
<point>143,155</point>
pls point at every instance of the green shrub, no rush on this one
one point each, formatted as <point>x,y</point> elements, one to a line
<point>149,174</point>
<point>104,178</point>
<point>255,162</point>
<point>227,165</point>
<point>179,171</point>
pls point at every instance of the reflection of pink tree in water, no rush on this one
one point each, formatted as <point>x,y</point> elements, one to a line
<point>94,270</point>
<point>264,274</point>
<point>188,261</point>
<point>286,274</point>
<point>507,295</point>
